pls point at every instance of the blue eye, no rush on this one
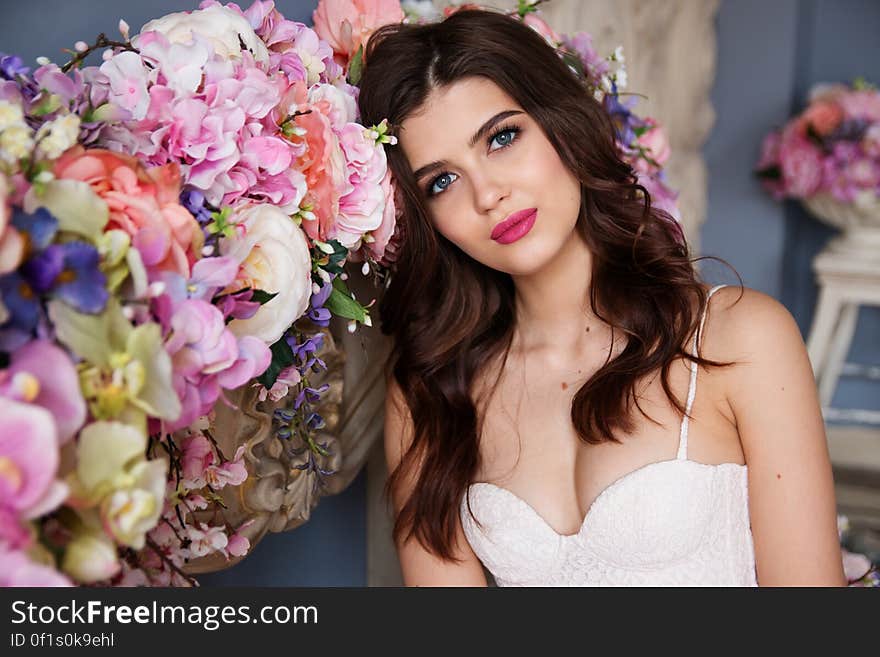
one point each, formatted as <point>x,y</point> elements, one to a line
<point>503,136</point>
<point>440,183</point>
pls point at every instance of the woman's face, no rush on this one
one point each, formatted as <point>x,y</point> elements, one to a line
<point>479,159</point>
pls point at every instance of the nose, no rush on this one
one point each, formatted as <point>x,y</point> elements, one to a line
<point>489,190</point>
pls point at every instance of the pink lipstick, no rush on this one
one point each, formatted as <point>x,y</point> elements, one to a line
<point>515,226</point>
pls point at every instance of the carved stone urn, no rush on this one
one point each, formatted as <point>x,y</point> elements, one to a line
<point>859,221</point>
<point>287,478</point>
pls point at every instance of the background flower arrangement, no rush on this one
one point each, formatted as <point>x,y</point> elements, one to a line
<point>832,147</point>
<point>174,223</point>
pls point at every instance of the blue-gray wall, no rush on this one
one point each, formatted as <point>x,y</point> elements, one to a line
<point>769,54</point>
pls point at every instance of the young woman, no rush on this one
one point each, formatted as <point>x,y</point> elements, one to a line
<point>545,417</point>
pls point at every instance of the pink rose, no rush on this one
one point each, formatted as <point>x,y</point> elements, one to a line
<point>324,169</point>
<point>143,202</point>
<point>347,24</point>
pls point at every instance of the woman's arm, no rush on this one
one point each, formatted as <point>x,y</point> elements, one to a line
<point>420,567</point>
<point>774,398</point>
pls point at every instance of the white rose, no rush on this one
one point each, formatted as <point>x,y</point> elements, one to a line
<point>220,25</point>
<point>273,256</point>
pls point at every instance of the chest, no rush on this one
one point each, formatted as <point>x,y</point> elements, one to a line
<point>530,447</point>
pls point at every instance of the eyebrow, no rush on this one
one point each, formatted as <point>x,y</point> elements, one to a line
<point>484,130</point>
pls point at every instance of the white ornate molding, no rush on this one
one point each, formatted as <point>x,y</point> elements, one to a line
<point>670,58</point>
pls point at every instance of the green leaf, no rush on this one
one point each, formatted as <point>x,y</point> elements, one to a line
<point>341,304</point>
<point>261,296</point>
<point>356,67</point>
<point>282,357</point>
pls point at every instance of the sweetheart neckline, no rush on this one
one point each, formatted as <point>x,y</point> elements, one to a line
<point>605,490</point>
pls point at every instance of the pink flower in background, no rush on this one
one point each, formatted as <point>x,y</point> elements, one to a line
<point>801,165</point>
<point>205,539</point>
<point>656,145</point>
<point>871,142</point>
<point>231,472</point>
<point>143,202</point>
<point>347,24</point>
<point>238,545</point>
<point>197,456</point>
<point>832,147</point>
<point>861,104</point>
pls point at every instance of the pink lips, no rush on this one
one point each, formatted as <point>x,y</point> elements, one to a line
<point>515,226</point>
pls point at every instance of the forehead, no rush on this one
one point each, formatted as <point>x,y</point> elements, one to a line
<point>450,116</point>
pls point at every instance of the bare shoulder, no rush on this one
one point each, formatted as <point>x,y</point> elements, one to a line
<point>772,393</point>
<point>751,328</point>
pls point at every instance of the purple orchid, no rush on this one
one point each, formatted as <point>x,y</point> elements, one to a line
<point>12,66</point>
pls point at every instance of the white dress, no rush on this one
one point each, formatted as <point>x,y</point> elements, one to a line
<point>674,522</point>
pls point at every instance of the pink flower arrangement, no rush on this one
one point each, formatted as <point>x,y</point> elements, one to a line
<point>832,147</point>
<point>172,224</point>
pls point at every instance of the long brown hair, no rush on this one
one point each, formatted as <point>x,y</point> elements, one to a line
<point>450,316</point>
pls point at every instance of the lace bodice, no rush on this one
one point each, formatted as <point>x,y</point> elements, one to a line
<point>674,522</point>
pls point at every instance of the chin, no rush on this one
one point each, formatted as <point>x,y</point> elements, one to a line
<point>525,258</point>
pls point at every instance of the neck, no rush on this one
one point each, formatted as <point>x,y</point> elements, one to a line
<point>553,306</point>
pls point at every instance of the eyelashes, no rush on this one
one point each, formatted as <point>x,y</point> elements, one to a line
<point>511,129</point>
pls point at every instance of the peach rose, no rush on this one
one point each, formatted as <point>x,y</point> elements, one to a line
<point>823,117</point>
<point>347,24</point>
<point>142,202</point>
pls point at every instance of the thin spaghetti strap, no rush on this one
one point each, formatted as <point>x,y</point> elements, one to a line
<point>692,388</point>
